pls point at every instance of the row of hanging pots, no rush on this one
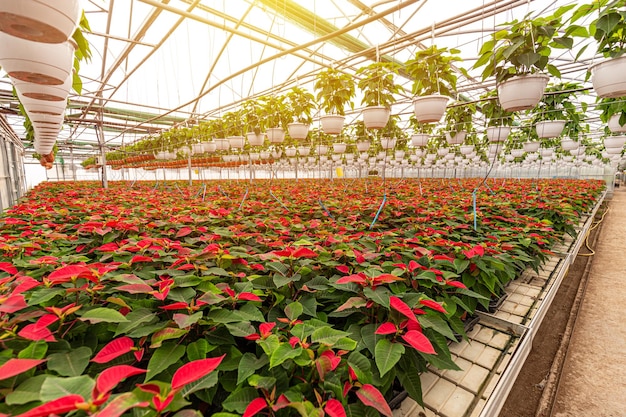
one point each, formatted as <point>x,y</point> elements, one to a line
<point>37,53</point>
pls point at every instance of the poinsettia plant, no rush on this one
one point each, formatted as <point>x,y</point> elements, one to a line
<point>147,300</point>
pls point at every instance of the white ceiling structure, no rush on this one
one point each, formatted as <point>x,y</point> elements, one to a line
<point>159,63</point>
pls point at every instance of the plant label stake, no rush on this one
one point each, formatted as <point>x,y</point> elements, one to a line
<point>382,204</point>
<point>243,200</point>
<point>325,209</point>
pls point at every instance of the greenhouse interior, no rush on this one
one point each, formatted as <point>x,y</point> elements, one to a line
<point>312,207</point>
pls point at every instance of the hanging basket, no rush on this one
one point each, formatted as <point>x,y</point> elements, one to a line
<point>56,93</point>
<point>550,128</point>
<point>255,139</point>
<point>522,92</point>
<point>362,146</point>
<point>332,123</point>
<point>236,142</point>
<point>457,139</point>
<point>531,146</point>
<point>339,147</point>
<point>429,109</point>
<point>34,106</point>
<point>497,133</point>
<point>614,125</point>
<point>290,152</point>
<point>222,144</point>
<point>298,130</point>
<point>569,145</point>
<point>609,77</point>
<point>36,62</point>
<point>275,134</point>
<point>387,143</point>
<point>517,153</point>
<point>376,117</point>
<point>614,142</point>
<point>420,139</point>
<point>466,149</point>
<point>52,21</point>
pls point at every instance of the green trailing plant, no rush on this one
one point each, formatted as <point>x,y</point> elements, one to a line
<point>302,104</point>
<point>608,27</point>
<point>432,71</point>
<point>275,111</point>
<point>460,118</point>
<point>493,112</point>
<point>335,90</point>
<point>559,103</point>
<point>251,113</point>
<point>377,83</point>
<point>524,47</point>
<point>609,107</point>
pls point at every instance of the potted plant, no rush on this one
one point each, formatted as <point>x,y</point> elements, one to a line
<point>498,120</point>
<point>251,113</point>
<point>518,56</point>
<point>613,112</point>
<point>302,105</point>
<point>608,28</point>
<point>459,122</point>
<point>335,90</point>
<point>378,87</point>
<point>434,81</point>
<point>421,132</point>
<point>558,109</point>
<point>275,117</point>
<point>233,124</point>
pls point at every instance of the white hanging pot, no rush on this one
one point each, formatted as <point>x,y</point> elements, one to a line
<point>254,156</point>
<point>222,144</point>
<point>466,149</point>
<point>298,130</point>
<point>545,152</point>
<point>196,148</point>
<point>550,128</point>
<point>517,153</point>
<point>614,142</point>
<point>56,93</point>
<point>387,143</point>
<point>264,155</point>
<point>569,145</point>
<point>443,151</point>
<point>209,147</point>
<point>613,151</point>
<point>236,142</point>
<point>531,146</point>
<point>275,134</point>
<point>34,106</point>
<point>303,150</point>
<point>429,109</point>
<point>332,123</point>
<point>255,139</point>
<point>399,154</point>
<point>376,117</point>
<point>522,92</point>
<point>321,149</point>
<point>290,152</point>
<point>335,157</point>
<point>420,139</point>
<point>339,147</point>
<point>36,62</point>
<point>614,125</point>
<point>43,148</point>
<point>457,139</point>
<point>50,21</point>
<point>362,146</point>
<point>609,77</point>
<point>497,133</point>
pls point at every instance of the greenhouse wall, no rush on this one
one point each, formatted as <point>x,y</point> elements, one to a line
<point>12,182</point>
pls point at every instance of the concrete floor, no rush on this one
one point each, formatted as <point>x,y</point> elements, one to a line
<point>593,381</point>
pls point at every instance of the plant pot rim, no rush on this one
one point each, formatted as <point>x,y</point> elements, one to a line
<point>525,76</point>
<point>606,60</point>
<point>430,96</point>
